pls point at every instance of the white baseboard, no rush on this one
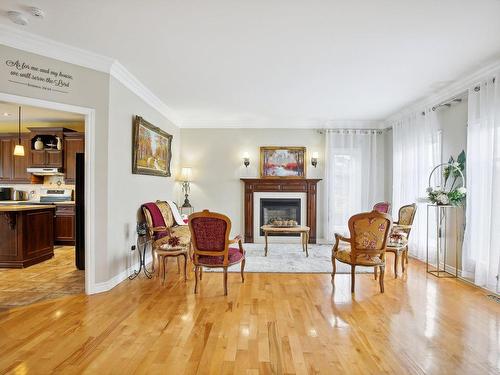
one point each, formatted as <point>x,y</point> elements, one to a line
<point>106,286</point>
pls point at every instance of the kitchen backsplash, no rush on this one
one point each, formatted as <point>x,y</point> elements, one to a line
<point>35,189</point>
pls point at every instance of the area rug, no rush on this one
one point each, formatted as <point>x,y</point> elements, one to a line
<point>289,258</point>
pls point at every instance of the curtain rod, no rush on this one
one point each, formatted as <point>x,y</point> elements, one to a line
<point>340,130</point>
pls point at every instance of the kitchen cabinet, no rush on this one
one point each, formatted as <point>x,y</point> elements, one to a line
<point>13,168</point>
<point>27,235</point>
<point>46,158</point>
<point>73,143</point>
<point>64,224</point>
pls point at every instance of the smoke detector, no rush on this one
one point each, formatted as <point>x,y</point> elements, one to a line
<point>37,12</point>
<point>17,17</point>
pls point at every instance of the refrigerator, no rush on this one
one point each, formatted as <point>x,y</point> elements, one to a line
<point>80,212</point>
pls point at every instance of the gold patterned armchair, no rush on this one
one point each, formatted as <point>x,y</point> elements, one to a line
<point>162,226</point>
<point>366,246</point>
<point>401,230</point>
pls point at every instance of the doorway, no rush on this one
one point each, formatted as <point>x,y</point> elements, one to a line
<point>77,127</point>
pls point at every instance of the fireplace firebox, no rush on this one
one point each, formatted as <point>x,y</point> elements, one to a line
<point>279,209</point>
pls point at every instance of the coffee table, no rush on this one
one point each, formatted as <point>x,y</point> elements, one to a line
<point>303,230</point>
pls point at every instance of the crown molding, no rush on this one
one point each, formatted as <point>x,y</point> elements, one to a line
<point>46,47</point>
<point>455,89</point>
<point>276,122</point>
<point>39,45</point>
<point>119,72</point>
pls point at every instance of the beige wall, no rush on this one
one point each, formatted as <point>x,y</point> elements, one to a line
<point>118,193</point>
<point>453,123</point>
<point>216,158</point>
<point>128,191</point>
<point>89,88</point>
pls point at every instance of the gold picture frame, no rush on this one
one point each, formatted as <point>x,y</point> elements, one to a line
<point>283,162</point>
<point>151,149</point>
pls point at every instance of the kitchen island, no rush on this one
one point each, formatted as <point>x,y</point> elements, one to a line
<point>26,233</point>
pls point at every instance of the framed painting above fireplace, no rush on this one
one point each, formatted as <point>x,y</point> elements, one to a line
<point>282,162</point>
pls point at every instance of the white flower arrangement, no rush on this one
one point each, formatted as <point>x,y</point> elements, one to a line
<point>456,195</point>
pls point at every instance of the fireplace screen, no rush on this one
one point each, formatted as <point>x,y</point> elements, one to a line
<point>281,209</point>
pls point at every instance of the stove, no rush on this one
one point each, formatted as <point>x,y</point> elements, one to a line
<point>56,195</point>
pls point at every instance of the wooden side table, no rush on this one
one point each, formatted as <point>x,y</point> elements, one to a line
<point>303,230</point>
<point>164,253</point>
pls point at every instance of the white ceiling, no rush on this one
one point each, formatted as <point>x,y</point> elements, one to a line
<point>36,117</point>
<point>270,63</point>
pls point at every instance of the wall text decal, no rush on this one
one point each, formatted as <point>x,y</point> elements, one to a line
<point>43,78</point>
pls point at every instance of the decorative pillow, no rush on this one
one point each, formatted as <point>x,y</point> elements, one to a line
<point>166,212</point>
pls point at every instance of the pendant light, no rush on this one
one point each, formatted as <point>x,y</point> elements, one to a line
<point>19,149</point>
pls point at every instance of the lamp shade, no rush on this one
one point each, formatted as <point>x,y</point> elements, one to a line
<point>186,174</point>
<point>19,150</point>
<point>315,155</point>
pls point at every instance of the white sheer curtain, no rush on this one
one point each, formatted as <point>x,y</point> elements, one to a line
<point>481,250</point>
<point>354,175</point>
<point>416,150</point>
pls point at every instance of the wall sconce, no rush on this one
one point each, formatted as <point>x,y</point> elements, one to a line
<point>186,178</point>
<point>246,159</point>
<point>314,159</point>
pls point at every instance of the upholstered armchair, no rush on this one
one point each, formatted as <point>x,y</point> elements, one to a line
<point>212,247</point>
<point>162,226</point>
<point>366,245</point>
<point>384,207</point>
<point>402,228</point>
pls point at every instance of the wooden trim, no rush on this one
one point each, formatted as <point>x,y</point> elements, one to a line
<point>302,185</point>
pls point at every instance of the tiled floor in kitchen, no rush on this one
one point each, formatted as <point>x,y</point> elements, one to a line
<point>54,278</point>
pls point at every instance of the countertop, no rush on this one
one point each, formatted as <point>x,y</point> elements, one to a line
<point>24,207</point>
<point>23,203</point>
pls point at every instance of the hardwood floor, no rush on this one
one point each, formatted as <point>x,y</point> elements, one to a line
<point>50,279</point>
<point>274,323</point>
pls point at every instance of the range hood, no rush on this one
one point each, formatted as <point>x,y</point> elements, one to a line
<point>45,171</point>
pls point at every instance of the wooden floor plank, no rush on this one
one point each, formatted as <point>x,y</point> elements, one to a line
<point>271,324</point>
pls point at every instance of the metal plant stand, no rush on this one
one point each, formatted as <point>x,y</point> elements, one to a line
<point>142,244</point>
<point>442,216</point>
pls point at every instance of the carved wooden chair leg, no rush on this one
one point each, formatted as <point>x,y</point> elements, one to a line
<point>334,268</point>
<point>178,265</point>
<point>403,261</point>
<point>382,272</point>
<point>196,279</point>
<point>396,261</point>
<point>225,281</point>
<point>242,271</point>
<point>165,263</point>
<point>185,266</point>
<point>353,277</point>
<point>201,273</point>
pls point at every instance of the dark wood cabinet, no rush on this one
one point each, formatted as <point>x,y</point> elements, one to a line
<point>73,144</point>
<point>37,158</point>
<point>46,158</point>
<point>27,234</point>
<point>13,168</point>
<point>54,158</point>
<point>64,225</point>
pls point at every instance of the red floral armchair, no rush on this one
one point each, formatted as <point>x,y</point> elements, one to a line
<point>384,207</point>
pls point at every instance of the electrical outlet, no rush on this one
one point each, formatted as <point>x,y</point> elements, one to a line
<point>132,248</point>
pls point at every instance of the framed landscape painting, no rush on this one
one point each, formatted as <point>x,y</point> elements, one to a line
<point>282,162</point>
<point>152,149</point>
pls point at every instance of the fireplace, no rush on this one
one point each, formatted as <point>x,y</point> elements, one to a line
<point>287,188</point>
<point>279,209</point>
